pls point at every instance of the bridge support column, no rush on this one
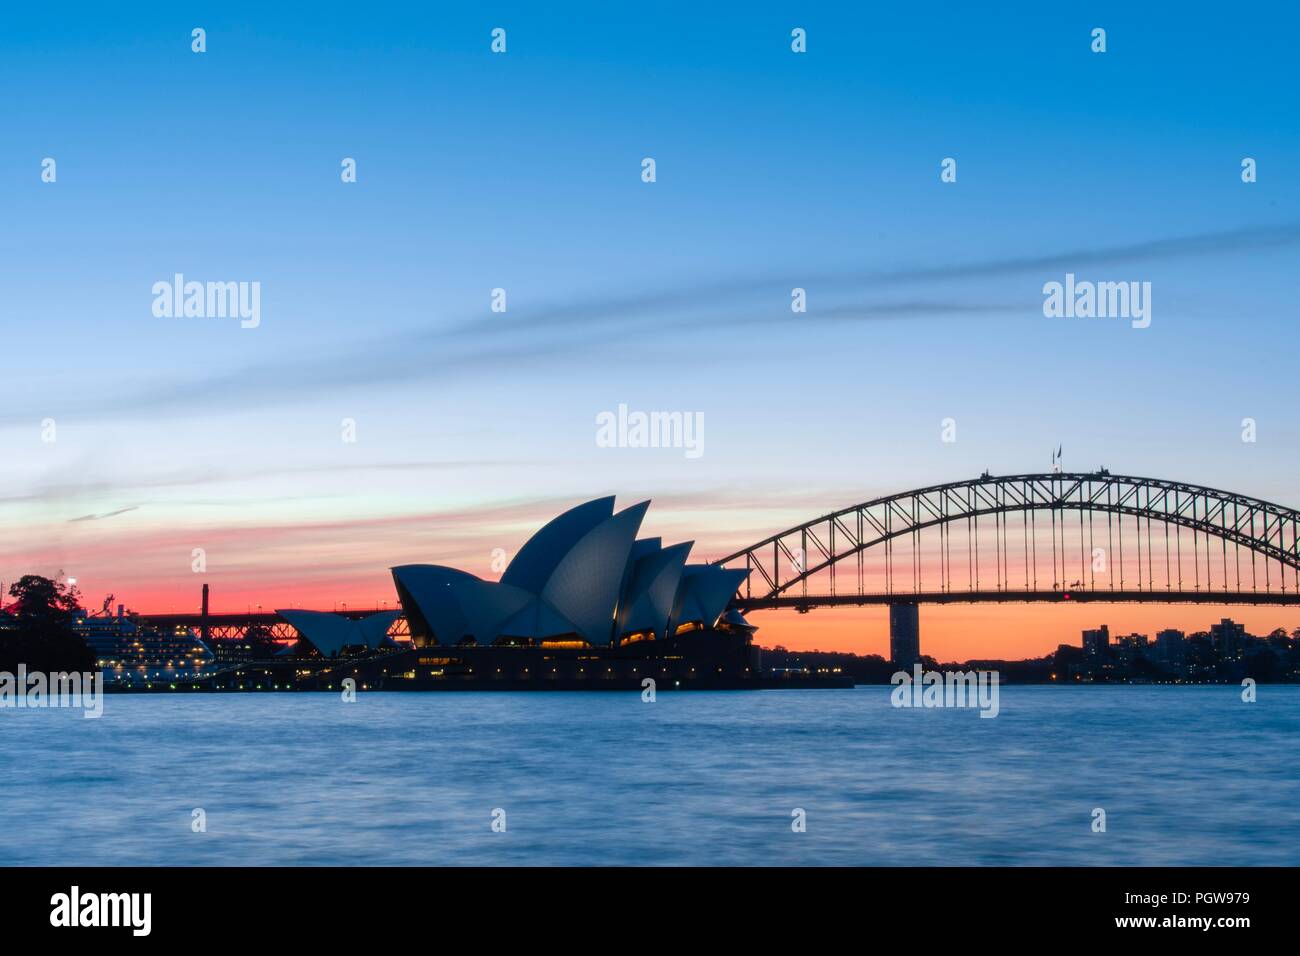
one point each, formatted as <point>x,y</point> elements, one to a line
<point>904,635</point>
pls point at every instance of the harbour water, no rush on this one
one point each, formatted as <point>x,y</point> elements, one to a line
<point>1185,775</point>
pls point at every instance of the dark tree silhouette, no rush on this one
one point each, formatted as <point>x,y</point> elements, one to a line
<point>40,632</point>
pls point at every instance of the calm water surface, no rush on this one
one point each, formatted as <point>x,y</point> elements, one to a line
<point>1186,775</point>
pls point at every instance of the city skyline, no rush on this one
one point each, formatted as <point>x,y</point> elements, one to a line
<point>952,631</point>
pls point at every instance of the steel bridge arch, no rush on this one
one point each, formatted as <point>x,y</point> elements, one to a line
<point>1262,527</point>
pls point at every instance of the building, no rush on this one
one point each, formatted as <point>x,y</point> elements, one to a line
<point>1171,648</point>
<point>1229,639</point>
<point>1096,643</point>
<point>904,635</point>
<point>255,644</point>
<point>332,635</point>
<point>583,580</point>
<point>585,603</point>
<point>1130,648</point>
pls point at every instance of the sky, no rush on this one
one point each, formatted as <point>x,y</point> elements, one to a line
<point>128,440</point>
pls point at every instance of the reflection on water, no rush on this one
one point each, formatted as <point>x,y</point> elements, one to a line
<point>1186,775</point>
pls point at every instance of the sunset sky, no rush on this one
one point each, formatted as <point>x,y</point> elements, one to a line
<point>522,171</point>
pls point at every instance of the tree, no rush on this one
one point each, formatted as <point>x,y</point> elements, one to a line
<point>41,635</point>
<point>41,599</point>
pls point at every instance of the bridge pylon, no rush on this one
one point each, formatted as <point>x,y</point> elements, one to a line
<point>904,634</point>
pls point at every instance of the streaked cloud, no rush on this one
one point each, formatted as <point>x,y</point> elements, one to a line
<point>527,337</point>
<point>106,514</point>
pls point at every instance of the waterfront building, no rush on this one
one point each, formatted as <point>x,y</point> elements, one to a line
<point>583,580</point>
<point>332,635</point>
<point>584,604</point>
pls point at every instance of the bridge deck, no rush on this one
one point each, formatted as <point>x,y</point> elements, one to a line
<point>806,601</point>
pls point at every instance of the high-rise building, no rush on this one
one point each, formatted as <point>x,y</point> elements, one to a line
<point>904,635</point>
<point>1096,643</point>
<point>1170,647</point>
<point>1130,647</point>
<point>1229,639</point>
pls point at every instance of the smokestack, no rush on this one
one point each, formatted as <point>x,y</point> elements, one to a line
<point>203,627</point>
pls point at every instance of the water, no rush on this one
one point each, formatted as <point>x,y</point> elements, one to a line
<point>1186,775</point>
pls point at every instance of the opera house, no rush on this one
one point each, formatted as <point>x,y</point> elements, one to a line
<point>585,579</point>
<point>585,604</point>
<point>333,635</point>
<point>583,601</point>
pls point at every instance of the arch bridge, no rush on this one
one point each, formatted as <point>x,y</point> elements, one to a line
<point>1033,537</point>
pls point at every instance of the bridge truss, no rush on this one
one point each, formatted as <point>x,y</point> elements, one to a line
<point>240,625</point>
<point>1033,537</point>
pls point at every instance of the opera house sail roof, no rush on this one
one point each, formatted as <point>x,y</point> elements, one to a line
<point>585,576</point>
<point>330,633</point>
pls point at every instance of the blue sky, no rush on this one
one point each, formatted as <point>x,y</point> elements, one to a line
<point>522,171</point>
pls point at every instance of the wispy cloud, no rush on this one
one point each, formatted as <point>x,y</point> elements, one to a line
<point>106,514</point>
<point>527,337</point>
<point>53,492</point>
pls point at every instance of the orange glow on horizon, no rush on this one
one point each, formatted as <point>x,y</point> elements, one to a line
<point>959,632</point>
<point>953,632</point>
<point>259,567</point>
